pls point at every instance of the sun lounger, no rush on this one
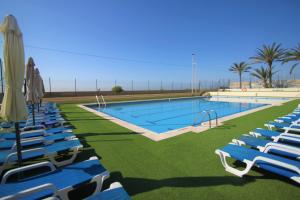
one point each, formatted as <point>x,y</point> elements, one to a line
<point>272,163</point>
<point>9,158</point>
<point>58,182</point>
<point>34,133</point>
<point>276,136</point>
<point>283,126</point>
<point>42,140</point>
<point>288,119</point>
<point>114,192</point>
<point>48,123</point>
<point>268,146</point>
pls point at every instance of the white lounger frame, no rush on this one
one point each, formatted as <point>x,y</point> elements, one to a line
<point>250,163</point>
<point>62,194</point>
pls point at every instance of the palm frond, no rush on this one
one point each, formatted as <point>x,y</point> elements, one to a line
<point>293,68</point>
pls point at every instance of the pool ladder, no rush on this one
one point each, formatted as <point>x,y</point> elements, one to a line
<point>102,102</point>
<point>205,114</point>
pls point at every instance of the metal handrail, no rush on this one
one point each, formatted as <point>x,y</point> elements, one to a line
<point>216,115</point>
<point>101,103</point>
<point>103,100</point>
<point>206,113</point>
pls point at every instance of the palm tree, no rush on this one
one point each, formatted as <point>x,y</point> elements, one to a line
<point>240,68</point>
<point>263,75</point>
<point>293,55</point>
<point>269,54</point>
<point>293,69</point>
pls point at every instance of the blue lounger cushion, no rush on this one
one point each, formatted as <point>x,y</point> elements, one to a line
<point>286,120</point>
<point>243,153</point>
<point>46,150</point>
<point>267,133</point>
<point>271,134</point>
<point>8,144</point>
<point>69,176</point>
<point>35,133</point>
<point>283,125</point>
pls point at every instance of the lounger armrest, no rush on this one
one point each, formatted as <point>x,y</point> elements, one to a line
<point>27,140</point>
<point>14,154</point>
<point>289,135</point>
<point>28,128</point>
<point>281,147</point>
<point>28,192</point>
<point>287,129</point>
<point>115,185</point>
<point>26,168</point>
<point>238,142</point>
<point>278,163</point>
<point>269,126</point>
<point>33,131</point>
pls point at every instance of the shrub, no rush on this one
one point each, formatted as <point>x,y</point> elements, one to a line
<point>117,89</point>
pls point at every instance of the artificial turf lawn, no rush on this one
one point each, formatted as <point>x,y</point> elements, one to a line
<point>182,167</point>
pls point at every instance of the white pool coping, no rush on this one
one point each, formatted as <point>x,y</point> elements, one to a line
<point>165,135</point>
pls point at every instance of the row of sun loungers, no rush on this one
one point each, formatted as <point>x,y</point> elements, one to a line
<point>276,149</point>
<point>63,176</point>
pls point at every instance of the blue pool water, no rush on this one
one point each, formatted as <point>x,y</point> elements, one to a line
<point>164,115</point>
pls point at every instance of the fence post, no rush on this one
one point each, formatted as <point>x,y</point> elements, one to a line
<point>96,85</point>
<point>50,86</point>
<point>75,88</point>
<point>1,77</point>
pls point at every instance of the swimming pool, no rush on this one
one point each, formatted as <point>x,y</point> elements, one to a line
<point>162,116</point>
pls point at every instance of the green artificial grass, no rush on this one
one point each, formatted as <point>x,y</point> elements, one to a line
<point>182,167</point>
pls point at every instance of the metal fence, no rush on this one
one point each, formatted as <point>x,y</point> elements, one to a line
<point>76,85</point>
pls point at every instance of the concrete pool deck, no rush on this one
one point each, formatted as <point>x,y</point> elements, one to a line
<point>203,127</point>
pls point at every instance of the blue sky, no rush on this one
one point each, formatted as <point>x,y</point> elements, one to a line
<point>166,33</point>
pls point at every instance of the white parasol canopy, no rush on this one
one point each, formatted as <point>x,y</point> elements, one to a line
<point>13,105</point>
<point>31,87</point>
<point>39,84</point>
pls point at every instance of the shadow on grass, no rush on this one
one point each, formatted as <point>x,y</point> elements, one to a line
<point>226,126</point>
<point>86,119</point>
<point>87,151</point>
<point>135,185</point>
<point>108,133</point>
<point>117,140</point>
<point>73,112</point>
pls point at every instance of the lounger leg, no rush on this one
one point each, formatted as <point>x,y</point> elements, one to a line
<point>64,162</point>
<point>99,181</point>
<point>232,170</point>
<point>63,194</point>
